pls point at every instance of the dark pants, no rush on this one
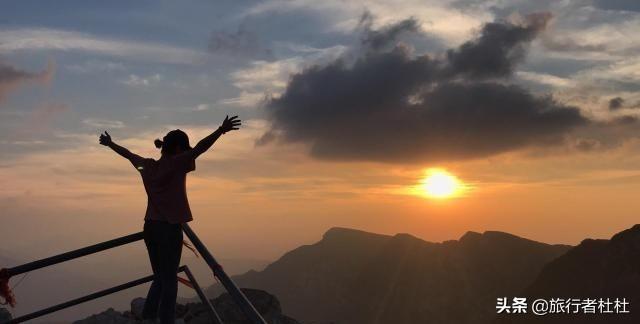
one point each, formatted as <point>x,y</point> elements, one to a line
<point>164,244</point>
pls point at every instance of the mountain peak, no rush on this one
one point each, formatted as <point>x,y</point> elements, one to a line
<point>629,235</point>
<point>340,233</point>
<point>470,236</point>
<point>407,236</point>
<point>497,237</point>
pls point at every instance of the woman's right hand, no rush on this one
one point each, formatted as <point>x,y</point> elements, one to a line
<point>105,139</point>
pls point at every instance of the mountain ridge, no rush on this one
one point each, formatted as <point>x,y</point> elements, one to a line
<point>353,276</point>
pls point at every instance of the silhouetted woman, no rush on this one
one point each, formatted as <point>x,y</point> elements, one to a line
<point>167,208</point>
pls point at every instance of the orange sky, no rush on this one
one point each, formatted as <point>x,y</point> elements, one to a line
<point>257,203</point>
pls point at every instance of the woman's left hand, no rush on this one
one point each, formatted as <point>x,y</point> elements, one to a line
<point>230,124</point>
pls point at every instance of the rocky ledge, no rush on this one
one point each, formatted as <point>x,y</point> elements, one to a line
<point>196,313</point>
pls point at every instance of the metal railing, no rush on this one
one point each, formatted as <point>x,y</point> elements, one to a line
<point>252,315</point>
<point>115,289</point>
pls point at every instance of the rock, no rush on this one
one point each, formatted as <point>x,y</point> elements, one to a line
<point>110,316</point>
<point>137,305</point>
<point>5,316</point>
<point>181,310</point>
<point>197,313</point>
<point>266,304</point>
<point>202,318</point>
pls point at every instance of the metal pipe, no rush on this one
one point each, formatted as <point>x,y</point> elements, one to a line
<point>83,299</point>
<point>241,300</point>
<point>205,301</point>
<point>73,254</point>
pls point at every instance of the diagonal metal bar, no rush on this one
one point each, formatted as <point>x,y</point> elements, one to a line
<point>205,301</point>
<point>83,299</point>
<point>241,300</point>
<point>73,254</point>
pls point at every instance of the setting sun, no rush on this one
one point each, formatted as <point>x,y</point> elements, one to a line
<point>441,184</point>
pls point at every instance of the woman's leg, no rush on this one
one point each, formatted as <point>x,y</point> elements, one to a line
<point>151,240</point>
<point>171,251</point>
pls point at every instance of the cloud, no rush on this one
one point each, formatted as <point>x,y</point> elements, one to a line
<point>134,80</point>
<point>624,5</point>
<point>566,44</point>
<point>377,39</point>
<point>616,103</point>
<point>263,77</point>
<point>586,144</point>
<point>245,99</point>
<point>498,48</point>
<point>202,107</point>
<point>53,39</point>
<point>240,43</point>
<point>393,106</point>
<point>103,123</point>
<point>449,24</point>
<point>12,77</point>
<point>544,79</point>
<point>95,66</point>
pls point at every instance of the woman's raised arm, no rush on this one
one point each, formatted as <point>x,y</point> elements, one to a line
<point>228,124</point>
<point>105,139</point>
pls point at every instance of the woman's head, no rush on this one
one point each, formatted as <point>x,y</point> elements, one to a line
<point>174,142</point>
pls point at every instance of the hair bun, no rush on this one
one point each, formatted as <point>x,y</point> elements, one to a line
<point>158,143</point>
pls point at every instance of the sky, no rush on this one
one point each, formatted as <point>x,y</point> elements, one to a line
<point>533,105</point>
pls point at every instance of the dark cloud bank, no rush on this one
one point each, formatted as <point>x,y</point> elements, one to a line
<point>390,105</point>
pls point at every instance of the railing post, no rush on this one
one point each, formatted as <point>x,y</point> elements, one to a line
<point>203,297</point>
<point>241,300</point>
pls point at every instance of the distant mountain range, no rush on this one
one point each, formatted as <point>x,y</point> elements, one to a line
<point>357,277</point>
<point>595,269</point>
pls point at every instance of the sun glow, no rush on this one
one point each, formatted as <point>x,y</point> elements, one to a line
<point>440,184</point>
